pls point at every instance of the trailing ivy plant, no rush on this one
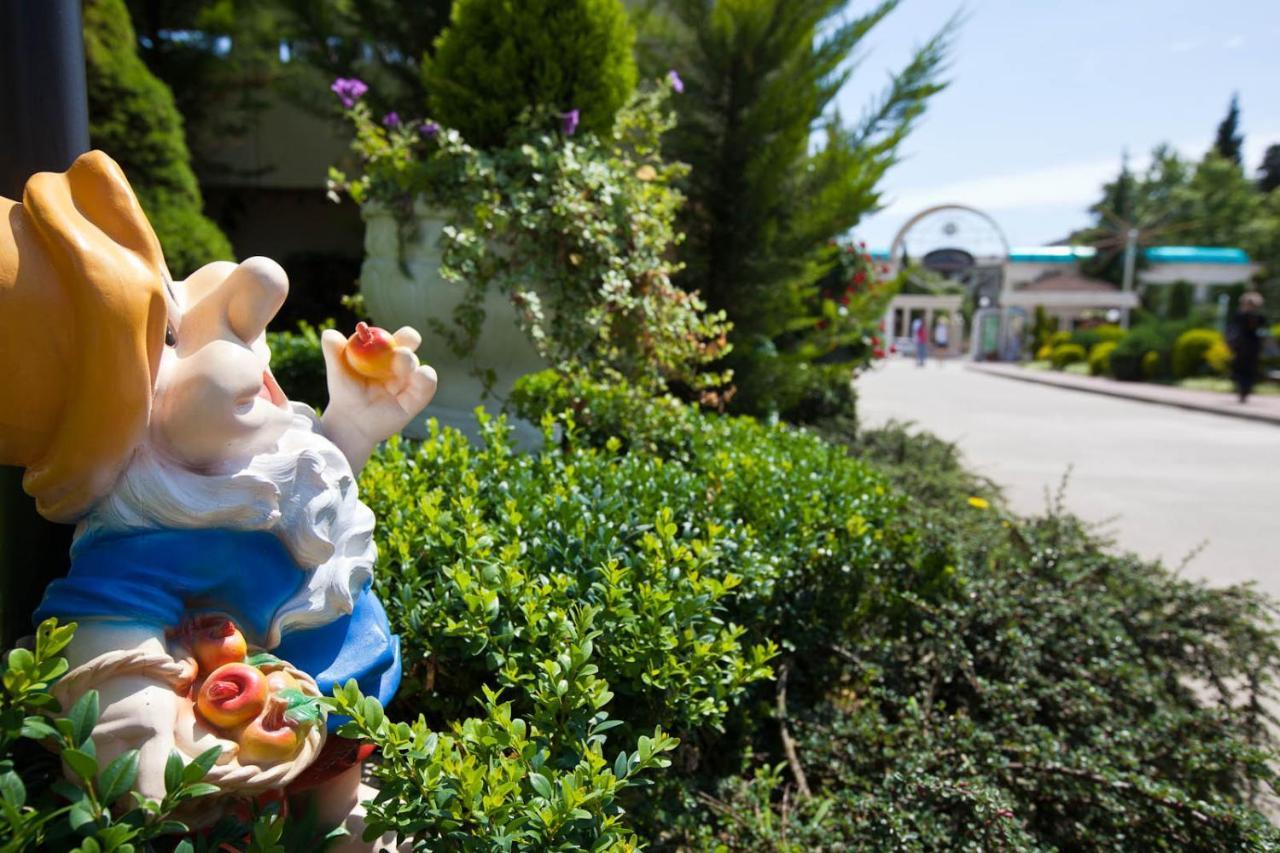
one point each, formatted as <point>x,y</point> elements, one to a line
<point>577,229</point>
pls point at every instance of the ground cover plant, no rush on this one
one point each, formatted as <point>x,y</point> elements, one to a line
<point>1013,683</point>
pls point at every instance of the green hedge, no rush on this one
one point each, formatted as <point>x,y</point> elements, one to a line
<point>133,118</point>
<point>1064,354</point>
<point>856,611</point>
<point>1190,355</point>
<point>1100,358</point>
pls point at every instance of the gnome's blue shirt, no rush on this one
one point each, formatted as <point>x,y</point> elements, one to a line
<point>161,577</point>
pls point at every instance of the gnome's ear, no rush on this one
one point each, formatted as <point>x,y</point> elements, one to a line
<point>103,257</point>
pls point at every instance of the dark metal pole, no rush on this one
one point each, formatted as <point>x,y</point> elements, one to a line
<point>44,126</point>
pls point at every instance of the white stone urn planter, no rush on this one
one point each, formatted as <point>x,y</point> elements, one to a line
<point>395,299</point>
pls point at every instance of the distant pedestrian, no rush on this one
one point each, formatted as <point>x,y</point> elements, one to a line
<point>941,334</point>
<point>1244,336</point>
<point>920,333</point>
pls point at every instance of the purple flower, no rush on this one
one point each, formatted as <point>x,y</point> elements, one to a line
<point>676,83</point>
<point>570,122</point>
<point>348,90</point>
<point>391,120</point>
<point>429,129</point>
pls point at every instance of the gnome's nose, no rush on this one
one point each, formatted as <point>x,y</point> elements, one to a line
<point>257,289</point>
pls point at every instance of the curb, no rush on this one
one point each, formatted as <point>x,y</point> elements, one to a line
<point>1109,388</point>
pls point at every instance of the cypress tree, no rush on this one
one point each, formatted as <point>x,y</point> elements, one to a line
<point>1269,171</point>
<point>499,58</point>
<point>1230,141</point>
<point>132,117</point>
<point>764,206</point>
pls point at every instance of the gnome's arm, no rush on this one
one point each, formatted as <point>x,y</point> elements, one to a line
<point>362,411</point>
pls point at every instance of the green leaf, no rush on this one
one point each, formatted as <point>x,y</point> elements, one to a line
<point>173,772</point>
<point>81,763</point>
<point>118,777</point>
<point>262,659</point>
<point>196,770</point>
<point>83,716</point>
<point>307,710</point>
<point>38,728</point>
<point>12,789</point>
<point>541,785</point>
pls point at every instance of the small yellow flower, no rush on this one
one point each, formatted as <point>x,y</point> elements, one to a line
<point>979,503</point>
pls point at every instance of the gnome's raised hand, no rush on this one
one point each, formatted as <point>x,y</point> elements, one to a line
<point>364,410</point>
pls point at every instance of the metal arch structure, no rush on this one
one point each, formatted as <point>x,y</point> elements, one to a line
<point>900,238</point>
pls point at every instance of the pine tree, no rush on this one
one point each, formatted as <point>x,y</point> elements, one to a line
<point>1269,171</point>
<point>760,76</point>
<point>1230,141</point>
<point>132,117</point>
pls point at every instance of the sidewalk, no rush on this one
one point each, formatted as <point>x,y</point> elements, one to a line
<point>1264,409</point>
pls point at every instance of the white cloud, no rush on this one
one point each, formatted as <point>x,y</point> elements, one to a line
<point>1236,41</point>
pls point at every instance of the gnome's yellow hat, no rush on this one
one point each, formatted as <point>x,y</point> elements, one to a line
<point>82,325</point>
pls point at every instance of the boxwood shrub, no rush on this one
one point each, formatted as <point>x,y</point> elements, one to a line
<point>1065,354</point>
<point>1190,356</point>
<point>1100,358</point>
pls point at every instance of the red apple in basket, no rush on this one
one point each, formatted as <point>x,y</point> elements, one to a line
<point>233,694</point>
<point>271,737</point>
<point>215,641</point>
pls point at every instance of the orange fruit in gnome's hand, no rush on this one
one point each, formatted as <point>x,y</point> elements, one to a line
<point>270,738</point>
<point>233,694</point>
<point>217,641</point>
<point>370,351</point>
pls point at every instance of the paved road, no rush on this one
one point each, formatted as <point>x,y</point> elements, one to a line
<point>1167,480</point>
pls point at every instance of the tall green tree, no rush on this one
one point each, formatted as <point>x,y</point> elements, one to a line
<point>383,42</point>
<point>1229,142</point>
<point>219,58</point>
<point>1269,171</point>
<point>498,59</point>
<point>1224,202</point>
<point>776,174</point>
<point>133,118</point>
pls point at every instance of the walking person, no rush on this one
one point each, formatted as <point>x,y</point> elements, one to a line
<point>1245,339</point>
<point>920,334</point>
<point>941,335</point>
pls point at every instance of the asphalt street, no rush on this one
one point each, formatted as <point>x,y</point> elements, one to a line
<point>1164,482</point>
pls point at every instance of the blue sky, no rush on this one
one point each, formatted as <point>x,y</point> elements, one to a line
<point>1046,94</point>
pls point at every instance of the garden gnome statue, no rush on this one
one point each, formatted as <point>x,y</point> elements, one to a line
<point>222,560</point>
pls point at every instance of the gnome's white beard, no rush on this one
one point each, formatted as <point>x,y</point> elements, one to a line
<point>302,490</point>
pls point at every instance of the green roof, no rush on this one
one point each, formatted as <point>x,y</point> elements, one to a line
<point>1195,255</point>
<point>1050,254</point>
<point>1156,254</point>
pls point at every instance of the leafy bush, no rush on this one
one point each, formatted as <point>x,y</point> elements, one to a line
<point>1153,365</point>
<point>132,118</point>
<point>498,60</point>
<point>577,233</point>
<point>1129,360</point>
<point>1029,690</point>
<point>297,362</point>
<point>1064,354</point>
<point>1094,335</point>
<point>1100,358</point>
<point>774,386</point>
<point>1190,355</point>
